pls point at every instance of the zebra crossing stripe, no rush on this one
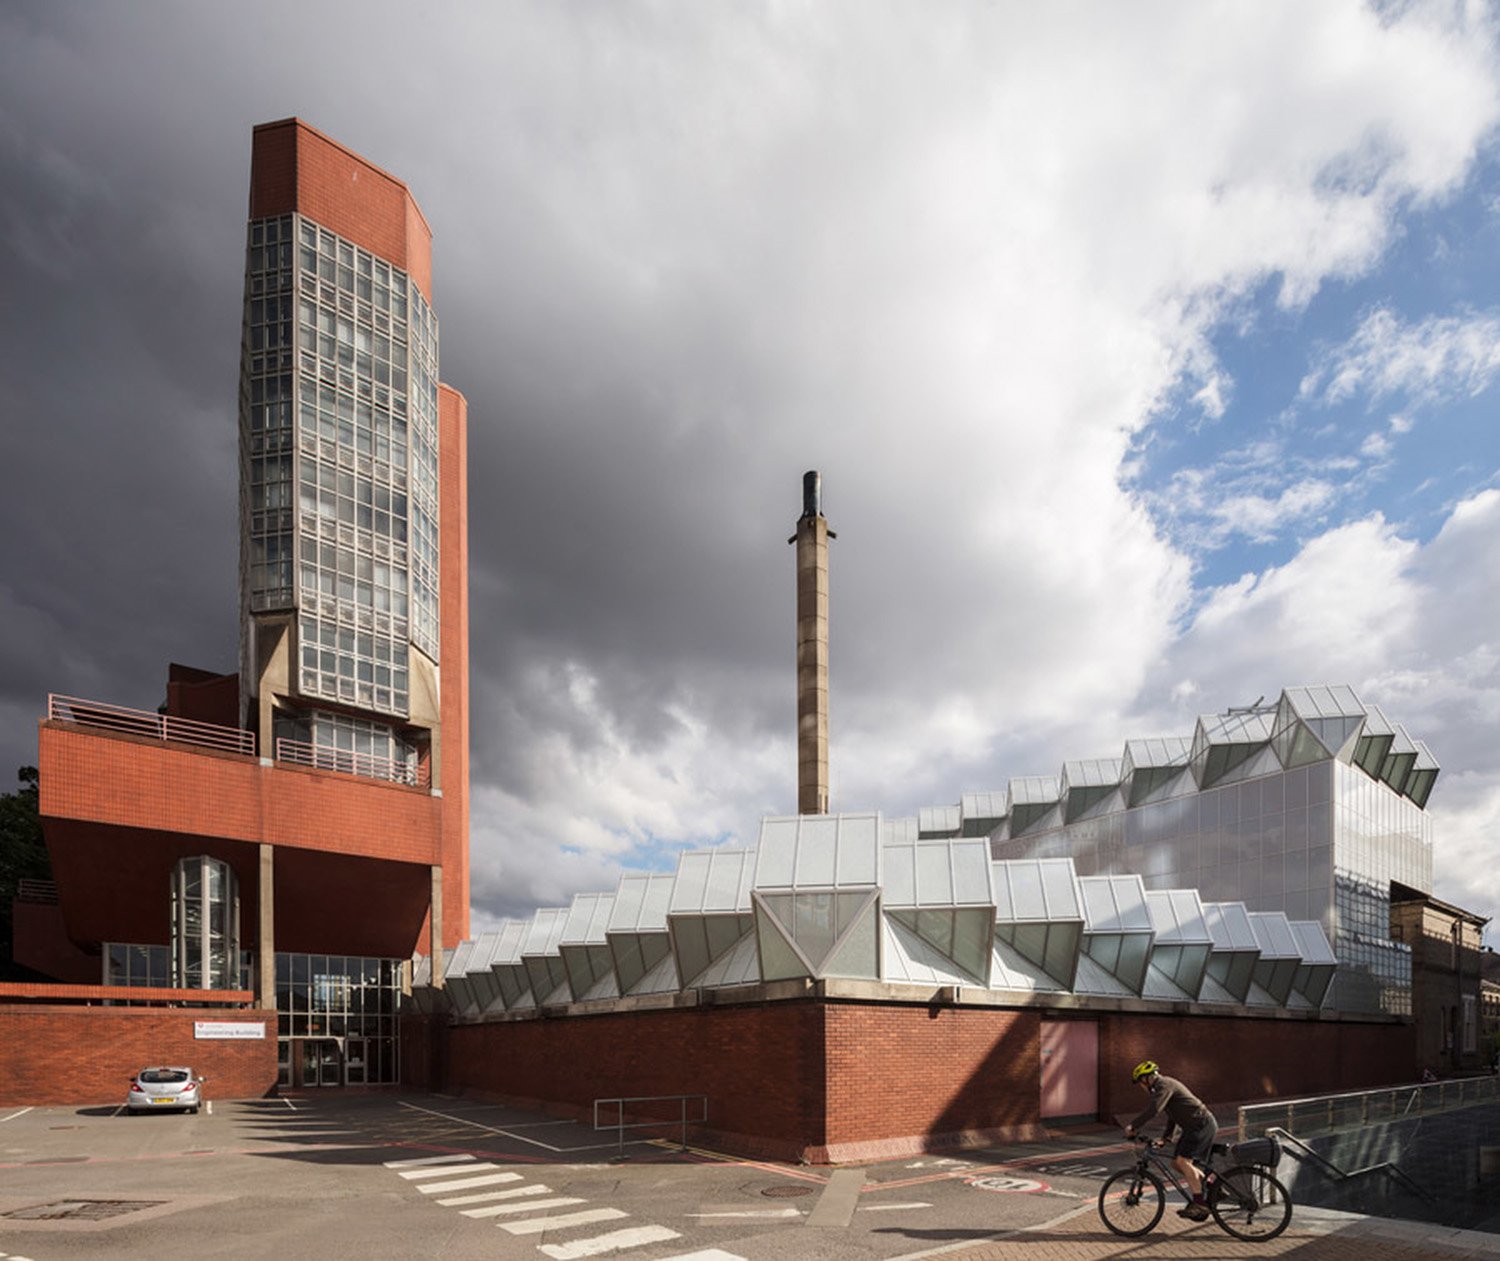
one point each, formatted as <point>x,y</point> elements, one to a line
<point>528,1206</point>
<point>426,1160</point>
<point>464,1184</point>
<point>446,1171</point>
<point>616,1240</point>
<point>705,1254</point>
<point>536,1188</point>
<point>535,1225</point>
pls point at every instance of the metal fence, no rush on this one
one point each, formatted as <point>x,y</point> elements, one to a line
<point>347,762</point>
<point>1332,1114</point>
<point>620,1124</point>
<point>148,723</point>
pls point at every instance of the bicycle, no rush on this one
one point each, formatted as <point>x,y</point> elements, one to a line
<point>1246,1199</point>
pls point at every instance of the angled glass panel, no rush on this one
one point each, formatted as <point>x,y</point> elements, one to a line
<point>1423,775</point>
<point>973,941</point>
<point>858,850</point>
<point>935,821</point>
<point>689,934</point>
<point>936,927</point>
<point>982,813</point>
<point>1061,896</point>
<point>1027,900</point>
<point>1234,970</point>
<point>1374,742</point>
<point>776,855</point>
<point>692,880</point>
<point>856,953</point>
<point>778,961</point>
<point>730,873</point>
<point>723,932</point>
<point>934,875</point>
<point>1060,953</point>
<point>897,831</point>
<point>899,869</point>
<point>971,875</point>
<point>817,852</point>
<point>1400,760</point>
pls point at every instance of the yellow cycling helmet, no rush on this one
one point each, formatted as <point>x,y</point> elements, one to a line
<point>1144,1069</point>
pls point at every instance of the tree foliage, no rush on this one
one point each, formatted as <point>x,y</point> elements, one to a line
<point>23,853</point>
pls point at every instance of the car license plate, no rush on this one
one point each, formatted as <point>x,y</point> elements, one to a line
<point>164,1099</point>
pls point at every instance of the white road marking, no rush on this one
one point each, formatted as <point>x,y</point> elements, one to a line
<point>22,1113</point>
<point>878,1208</point>
<point>419,1161</point>
<point>466,1184</point>
<point>706,1254</point>
<point>535,1225</point>
<point>520,1138</point>
<point>446,1171</point>
<point>535,1189</point>
<point>752,1212</point>
<point>612,1242</point>
<point>529,1206</point>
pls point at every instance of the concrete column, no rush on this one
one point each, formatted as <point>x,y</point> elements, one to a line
<point>266,931</point>
<point>812,650</point>
<point>435,929</point>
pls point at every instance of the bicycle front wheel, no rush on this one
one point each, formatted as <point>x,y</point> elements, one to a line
<point>1132,1201</point>
<point>1250,1203</point>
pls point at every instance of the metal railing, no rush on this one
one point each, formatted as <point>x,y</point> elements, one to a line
<point>1331,1114</point>
<point>347,762</point>
<point>1299,1150</point>
<point>621,1125</point>
<point>148,723</point>
<point>43,892</point>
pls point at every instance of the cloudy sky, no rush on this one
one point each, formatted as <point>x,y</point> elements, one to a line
<point>1148,353</point>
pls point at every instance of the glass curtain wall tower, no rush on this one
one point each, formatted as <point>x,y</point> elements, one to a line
<point>339,516</point>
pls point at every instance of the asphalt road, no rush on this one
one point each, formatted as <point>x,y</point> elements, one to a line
<point>397,1176</point>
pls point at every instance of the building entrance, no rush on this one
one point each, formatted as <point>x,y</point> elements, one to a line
<point>309,1062</point>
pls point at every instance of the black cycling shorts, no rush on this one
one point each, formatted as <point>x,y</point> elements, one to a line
<point>1197,1143</point>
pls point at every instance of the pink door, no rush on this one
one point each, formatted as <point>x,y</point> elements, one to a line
<point>1070,1068</point>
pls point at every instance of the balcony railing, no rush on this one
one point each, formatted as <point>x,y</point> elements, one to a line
<point>154,726</point>
<point>347,762</point>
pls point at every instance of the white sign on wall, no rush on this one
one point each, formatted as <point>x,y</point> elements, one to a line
<point>224,1029</point>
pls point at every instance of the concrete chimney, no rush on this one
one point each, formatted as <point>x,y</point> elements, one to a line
<point>812,649</point>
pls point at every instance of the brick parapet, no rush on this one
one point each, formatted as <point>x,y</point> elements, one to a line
<point>71,1056</point>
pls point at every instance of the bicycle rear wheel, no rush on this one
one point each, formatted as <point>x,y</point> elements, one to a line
<point>1250,1203</point>
<point>1132,1201</point>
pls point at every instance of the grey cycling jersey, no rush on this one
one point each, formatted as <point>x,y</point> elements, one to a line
<point>1183,1108</point>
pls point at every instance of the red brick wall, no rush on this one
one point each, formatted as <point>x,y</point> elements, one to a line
<point>129,781</point>
<point>761,1066</point>
<point>912,1075</point>
<point>1225,1061</point>
<point>87,1055</point>
<point>294,167</point>
<point>842,1081</point>
<point>453,523</point>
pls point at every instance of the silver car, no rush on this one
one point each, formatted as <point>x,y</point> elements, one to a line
<point>161,1089</point>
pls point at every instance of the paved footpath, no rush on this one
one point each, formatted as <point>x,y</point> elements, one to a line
<point>1314,1235</point>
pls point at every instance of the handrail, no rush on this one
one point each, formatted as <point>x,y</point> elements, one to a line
<point>347,762</point>
<point>1301,1151</point>
<point>149,723</point>
<point>1357,1109</point>
<point>621,1125</point>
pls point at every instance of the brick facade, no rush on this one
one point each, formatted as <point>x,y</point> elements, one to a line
<point>72,1056</point>
<point>839,1081</point>
<point>294,167</point>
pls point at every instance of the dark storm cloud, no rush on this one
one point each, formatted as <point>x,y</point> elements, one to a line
<point>682,253</point>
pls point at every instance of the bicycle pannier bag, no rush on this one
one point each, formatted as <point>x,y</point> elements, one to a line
<point>1257,1151</point>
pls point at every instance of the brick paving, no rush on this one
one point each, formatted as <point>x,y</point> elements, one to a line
<point>1312,1236</point>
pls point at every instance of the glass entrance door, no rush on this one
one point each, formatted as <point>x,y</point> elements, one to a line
<point>354,1062</point>
<point>320,1062</point>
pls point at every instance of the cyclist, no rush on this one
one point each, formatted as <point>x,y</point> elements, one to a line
<point>1185,1112</point>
